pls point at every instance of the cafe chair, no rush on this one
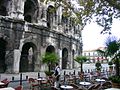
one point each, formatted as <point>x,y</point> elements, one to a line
<point>106,79</point>
<point>19,87</point>
<point>45,84</point>
<point>54,88</point>
<point>6,83</point>
<point>106,85</point>
<point>51,81</point>
<point>91,87</point>
<point>4,80</point>
<point>97,86</point>
<point>33,83</point>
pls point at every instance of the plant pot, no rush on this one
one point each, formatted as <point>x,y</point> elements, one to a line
<point>49,73</point>
<point>115,85</point>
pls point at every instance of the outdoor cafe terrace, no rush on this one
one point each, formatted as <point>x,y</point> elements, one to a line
<point>69,80</point>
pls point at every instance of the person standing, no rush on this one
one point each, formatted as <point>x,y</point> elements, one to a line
<point>57,76</point>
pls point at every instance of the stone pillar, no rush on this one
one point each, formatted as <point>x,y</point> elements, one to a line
<point>43,16</point>
<point>16,65</point>
<point>16,9</point>
<point>60,55</point>
<point>40,14</point>
<point>71,60</point>
<point>9,58</point>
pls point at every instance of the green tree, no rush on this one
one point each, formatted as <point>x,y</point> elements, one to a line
<point>50,59</point>
<point>81,60</point>
<point>112,46</point>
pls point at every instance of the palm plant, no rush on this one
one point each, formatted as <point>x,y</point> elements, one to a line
<point>98,66</point>
<point>112,46</point>
<point>50,59</point>
<point>81,60</point>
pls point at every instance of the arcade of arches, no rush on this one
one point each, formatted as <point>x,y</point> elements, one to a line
<point>29,29</point>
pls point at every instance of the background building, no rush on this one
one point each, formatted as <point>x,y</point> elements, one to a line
<point>94,55</point>
<point>29,28</point>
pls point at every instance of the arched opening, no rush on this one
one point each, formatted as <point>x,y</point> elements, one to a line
<point>31,11</point>
<point>51,15</point>
<point>65,23</point>
<point>28,18</point>
<point>50,49</point>
<point>3,7</point>
<point>3,44</point>
<point>64,58</point>
<point>27,59</point>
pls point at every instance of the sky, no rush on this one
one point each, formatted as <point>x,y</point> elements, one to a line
<point>92,39</point>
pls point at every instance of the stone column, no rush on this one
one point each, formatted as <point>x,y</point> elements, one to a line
<point>9,58</point>
<point>44,18</point>
<point>60,55</point>
<point>16,9</point>
<point>16,65</point>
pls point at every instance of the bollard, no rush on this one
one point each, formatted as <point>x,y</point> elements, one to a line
<point>74,72</point>
<point>38,74</point>
<point>21,79</point>
<point>26,77</point>
<point>12,78</point>
<point>64,72</point>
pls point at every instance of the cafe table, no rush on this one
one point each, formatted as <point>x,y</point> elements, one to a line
<point>65,87</point>
<point>7,88</point>
<point>100,80</point>
<point>1,83</point>
<point>112,89</point>
<point>41,79</point>
<point>85,84</point>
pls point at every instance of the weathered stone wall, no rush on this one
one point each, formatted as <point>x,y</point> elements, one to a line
<point>18,33</point>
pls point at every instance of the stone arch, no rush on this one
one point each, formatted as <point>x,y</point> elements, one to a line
<point>31,10</point>
<point>50,49</point>
<point>64,58</point>
<point>28,57</point>
<point>3,45</point>
<point>3,7</point>
<point>51,15</point>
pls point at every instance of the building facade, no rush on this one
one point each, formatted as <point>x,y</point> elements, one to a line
<point>29,28</point>
<point>95,56</point>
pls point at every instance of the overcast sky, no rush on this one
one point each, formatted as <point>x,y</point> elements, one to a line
<point>92,39</point>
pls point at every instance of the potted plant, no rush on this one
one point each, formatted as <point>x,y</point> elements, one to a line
<point>110,63</point>
<point>50,59</point>
<point>81,60</point>
<point>115,81</point>
<point>98,67</point>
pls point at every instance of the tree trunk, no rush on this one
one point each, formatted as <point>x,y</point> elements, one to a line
<point>81,67</point>
<point>49,67</point>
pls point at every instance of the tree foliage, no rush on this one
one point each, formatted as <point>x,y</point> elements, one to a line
<point>112,46</point>
<point>50,59</point>
<point>102,11</point>
<point>81,60</point>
